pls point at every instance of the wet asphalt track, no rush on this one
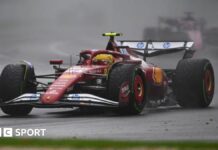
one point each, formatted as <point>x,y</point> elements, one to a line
<point>153,124</point>
<point>39,31</point>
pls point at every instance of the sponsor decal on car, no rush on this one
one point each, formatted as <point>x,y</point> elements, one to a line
<point>68,76</point>
<point>124,92</point>
<point>140,45</point>
<point>123,51</point>
<point>76,69</point>
<point>76,96</point>
<point>166,45</point>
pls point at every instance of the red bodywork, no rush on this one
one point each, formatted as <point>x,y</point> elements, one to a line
<point>79,73</point>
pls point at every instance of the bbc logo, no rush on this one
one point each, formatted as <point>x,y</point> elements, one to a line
<point>6,132</point>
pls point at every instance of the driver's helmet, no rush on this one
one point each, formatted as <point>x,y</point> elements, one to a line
<point>103,59</point>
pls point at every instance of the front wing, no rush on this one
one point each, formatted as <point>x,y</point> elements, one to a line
<point>68,100</point>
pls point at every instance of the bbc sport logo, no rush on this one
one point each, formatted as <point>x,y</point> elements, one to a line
<point>10,132</point>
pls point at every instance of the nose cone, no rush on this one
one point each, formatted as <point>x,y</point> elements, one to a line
<point>58,88</point>
<point>51,96</point>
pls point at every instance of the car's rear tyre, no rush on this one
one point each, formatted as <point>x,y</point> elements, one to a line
<point>16,80</point>
<point>194,83</point>
<point>126,84</point>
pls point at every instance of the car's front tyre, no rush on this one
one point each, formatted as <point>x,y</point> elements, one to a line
<point>126,84</point>
<point>16,80</point>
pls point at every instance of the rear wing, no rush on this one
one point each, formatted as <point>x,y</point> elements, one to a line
<point>155,48</point>
<point>149,48</point>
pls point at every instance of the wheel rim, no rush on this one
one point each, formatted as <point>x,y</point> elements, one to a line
<point>208,82</point>
<point>138,89</point>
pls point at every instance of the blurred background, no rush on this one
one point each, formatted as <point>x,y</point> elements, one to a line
<point>38,31</point>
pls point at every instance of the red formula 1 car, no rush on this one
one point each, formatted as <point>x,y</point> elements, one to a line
<point>116,77</point>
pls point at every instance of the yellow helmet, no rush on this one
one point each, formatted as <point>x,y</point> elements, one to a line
<point>106,59</point>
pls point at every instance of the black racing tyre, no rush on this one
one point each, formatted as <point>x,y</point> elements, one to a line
<point>126,84</point>
<point>194,83</point>
<point>16,80</point>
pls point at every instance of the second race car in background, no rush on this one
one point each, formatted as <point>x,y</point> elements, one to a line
<point>185,28</point>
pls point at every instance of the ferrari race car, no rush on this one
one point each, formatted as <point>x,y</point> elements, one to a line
<point>118,77</point>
